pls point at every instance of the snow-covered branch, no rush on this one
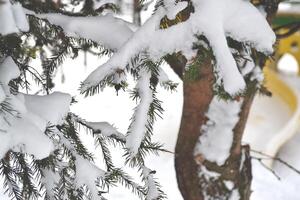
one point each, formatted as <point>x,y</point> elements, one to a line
<point>106,30</point>
<point>236,21</point>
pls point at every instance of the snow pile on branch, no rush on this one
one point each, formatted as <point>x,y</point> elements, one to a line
<point>153,192</point>
<point>100,3</point>
<point>212,18</point>
<point>107,30</point>
<point>57,106</point>
<point>26,117</point>
<point>105,128</point>
<point>12,18</point>
<point>217,134</point>
<point>138,127</point>
<point>89,179</point>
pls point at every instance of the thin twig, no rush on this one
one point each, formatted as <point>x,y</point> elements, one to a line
<point>277,159</point>
<point>260,160</point>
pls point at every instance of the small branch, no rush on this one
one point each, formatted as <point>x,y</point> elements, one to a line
<point>276,159</point>
<point>118,138</point>
<point>260,160</point>
<point>292,28</point>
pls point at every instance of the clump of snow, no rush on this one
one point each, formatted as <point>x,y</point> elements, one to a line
<point>8,70</point>
<point>208,174</point>
<point>138,127</point>
<point>217,134</point>
<point>152,192</point>
<point>241,21</point>
<point>34,114</point>
<point>50,180</point>
<point>27,136</point>
<point>7,21</point>
<point>99,3</point>
<point>87,174</point>
<point>105,128</point>
<point>57,106</point>
<point>28,117</point>
<point>2,94</point>
<point>12,18</point>
<point>20,17</point>
<point>235,195</point>
<point>174,9</point>
<point>257,74</point>
<point>107,30</point>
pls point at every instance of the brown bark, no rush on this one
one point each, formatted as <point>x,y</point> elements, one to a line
<point>197,98</point>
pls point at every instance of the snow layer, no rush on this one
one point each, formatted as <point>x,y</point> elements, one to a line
<point>106,30</point>
<point>87,173</point>
<point>173,9</point>
<point>22,128</point>
<point>34,114</point>
<point>12,18</point>
<point>2,94</point>
<point>105,128</point>
<point>26,134</point>
<point>8,70</point>
<point>138,127</point>
<point>152,193</point>
<point>241,21</point>
<point>52,108</point>
<point>20,17</point>
<point>217,135</point>
<point>99,3</point>
<point>7,21</point>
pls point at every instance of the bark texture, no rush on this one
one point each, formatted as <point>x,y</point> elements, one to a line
<point>197,98</point>
<point>237,168</point>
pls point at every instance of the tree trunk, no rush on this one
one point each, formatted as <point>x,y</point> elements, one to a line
<point>237,168</point>
<point>197,98</point>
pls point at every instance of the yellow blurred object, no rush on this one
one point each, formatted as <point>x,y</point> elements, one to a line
<point>291,98</point>
<point>287,93</point>
<point>280,88</point>
<point>290,45</point>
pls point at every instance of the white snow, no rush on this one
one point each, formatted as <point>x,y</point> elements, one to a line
<point>34,114</point>
<point>20,17</point>
<point>174,9</point>
<point>235,195</point>
<point>87,174</point>
<point>105,128</point>
<point>217,134</point>
<point>8,70</point>
<point>29,117</point>
<point>50,179</point>
<point>2,94</point>
<point>52,108</point>
<point>251,28</point>
<point>207,174</point>
<point>25,136</point>
<point>107,30</point>
<point>12,18</point>
<point>152,192</point>
<point>138,127</point>
<point>99,3</point>
<point>7,21</point>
